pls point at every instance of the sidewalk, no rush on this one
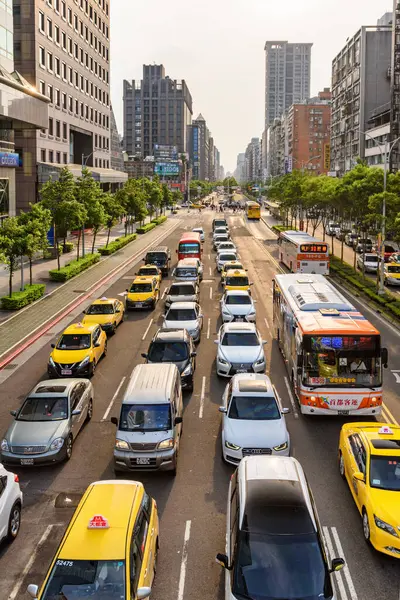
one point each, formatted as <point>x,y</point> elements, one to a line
<point>41,267</point>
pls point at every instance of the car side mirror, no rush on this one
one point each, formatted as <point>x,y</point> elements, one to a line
<point>97,345</point>
<point>13,413</point>
<point>52,345</point>
<point>193,354</point>
<point>251,283</point>
<point>143,592</point>
<point>336,565</point>
<point>84,312</point>
<point>264,342</point>
<point>222,560</point>
<point>178,420</point>
<point>385,357</point>
<point>144,355</point>
<point>222,409</point>
<point>127,290</point>
<point>114,420</point>
<point>32,590</point>
<point>76,412</point>
<point>359,476</point>
<point>285,411</point>
<point>216,341</point>
<point>176,251</point>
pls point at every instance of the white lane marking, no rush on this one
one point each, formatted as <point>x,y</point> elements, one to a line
<point>209,257</point>
<point>266,322</point>
<point>163,294</point>
<point>203,393</point>
<point>210,270</point>
<point>391,417</point>
<point>211,292</point>
<point>15,591</point>
<point>208,328</point>
<point>121,383</point>
<point>345,570</point>
<point>396,374</point>
<point>182,576</point>
<point>292,400</point>
<point>338,580</point>
<point>147,330</point>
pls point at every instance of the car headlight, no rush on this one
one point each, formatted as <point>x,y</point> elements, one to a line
<point>225,311</point>
<point>187,370</point>
<point>252,312</point>
<point>281,447</point>
<point>4,445</point>
<point>260,361</point>
<point>385,526</point>
<point>85,361</point>
<point>231,446</point>
<point>165,444</point>
<point>108,324</point>
<point>51,362</point>
<point>57,444</point>
<point>121,445</point>
<point>222,361</point>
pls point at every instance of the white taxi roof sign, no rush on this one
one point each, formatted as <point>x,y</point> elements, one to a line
<point>103,298</point>
<point>385,429</point>
<point>98,522</point>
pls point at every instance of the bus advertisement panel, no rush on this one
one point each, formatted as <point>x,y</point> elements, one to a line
<point>189,246</point>
<point>332,353</point>
<point>253,210</point>
<point>302,253</point>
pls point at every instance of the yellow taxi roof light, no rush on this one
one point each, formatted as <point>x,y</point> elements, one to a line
<point>385,429</point>
<point>98,522</point>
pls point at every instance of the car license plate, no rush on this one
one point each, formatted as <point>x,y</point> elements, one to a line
<point>66,372</point>
<point>241,370</point>
<point>26,461</point>
<point>344,413</point>
<point>139,304</point>
<point>239,320</point>
<point>142,461</point>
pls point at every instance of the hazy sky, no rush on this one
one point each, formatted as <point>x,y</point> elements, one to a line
<point>217,46</point>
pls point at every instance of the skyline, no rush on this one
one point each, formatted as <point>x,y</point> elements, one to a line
<point>224,67</point>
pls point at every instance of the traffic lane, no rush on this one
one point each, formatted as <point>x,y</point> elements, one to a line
<point>314,442</point>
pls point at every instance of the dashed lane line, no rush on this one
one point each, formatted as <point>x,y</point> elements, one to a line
<point>113,399</point>
<point>182,575</point>
<point>292,400</point>
<point>147,330</point>
<point>202,396</point>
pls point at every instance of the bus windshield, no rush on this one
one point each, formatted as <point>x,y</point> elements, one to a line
<point>342,360</point>
<point>189,248</point>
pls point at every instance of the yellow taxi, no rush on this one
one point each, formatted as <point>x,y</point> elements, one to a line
<point>107,312</point>
<point>109,548</point>
<point>230,265</point>
<point>369,460</point>
<point>150,271</point>
<point>143,293</point>
<point>195,205</point>
<point>237,280</point>
<point>391,273</point>
<point>77,351</point>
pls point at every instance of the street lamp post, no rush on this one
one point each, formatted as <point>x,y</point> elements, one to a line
<point>84,161</point>
<point>385,154</point>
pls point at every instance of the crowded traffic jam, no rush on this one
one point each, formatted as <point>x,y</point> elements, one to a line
<point>326,369</point>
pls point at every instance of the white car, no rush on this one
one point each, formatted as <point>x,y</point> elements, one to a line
<point>222,246</point>
<point>220,231</point>
<point>371,262</point>
<point>10,505</point>
<point>200,230</point>
<point>253,419</point>
<point>332,228</point>
<point>219,238</point>
<point>240,350</point>
<point>237,305</point>
<point>224,257</point>
<point>185,315</point>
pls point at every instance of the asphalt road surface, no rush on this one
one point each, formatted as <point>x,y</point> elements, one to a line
<point>192,506</point>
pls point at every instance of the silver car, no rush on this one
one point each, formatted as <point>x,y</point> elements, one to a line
<point>185,315</point>
<point>49,420</point>
<point>224,257</point>
<point>237,305</point>
<point>240,350</point>
<point>182,291</point>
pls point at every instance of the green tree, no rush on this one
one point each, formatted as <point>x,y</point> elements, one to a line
<point>113,210</point>
<point>133,196</point>
<point>88,193</point>
<point>166,197</point>
<point>177,197</point>
<point>154,197</point>
<point>12,245</point>
<point>37,223</point>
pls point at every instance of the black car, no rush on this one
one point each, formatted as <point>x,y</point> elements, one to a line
<point>174,346</point>
<point>159,256</point>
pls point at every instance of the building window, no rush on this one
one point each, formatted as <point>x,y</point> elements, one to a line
<point>65,158</point>
<point>57,34</point>
<point>64,101</point>
<point>51,130</point>
<point>42,87</point>
<point>57,6</point>
<point>70,17</point>
<point>58,157</point>
<point>42,57</point>
<point>50,61</point>
<point>64,71</point>
<point>70,104</point>
<point>43,155</point>
<point>58,98</point>
<point>50,28</point>
<point>76,23</point>
<point>50,93</point>
<point>65,131</point>
<point>71,76</point>
<point>57,66</point>
<point>76,51</point>
<point>41,21</point>
<point>70,46</point>
<point>51,156</point>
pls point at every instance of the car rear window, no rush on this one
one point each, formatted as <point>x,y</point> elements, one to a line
<point>181,290</point>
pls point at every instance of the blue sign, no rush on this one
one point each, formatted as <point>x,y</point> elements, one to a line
<point>171,168</point>
<point>9,159</point>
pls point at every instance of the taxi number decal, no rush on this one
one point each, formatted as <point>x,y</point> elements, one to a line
<point>65,563</point>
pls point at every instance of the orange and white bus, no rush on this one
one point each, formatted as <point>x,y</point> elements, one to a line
<point>302,253</point>
<point>332,353</point>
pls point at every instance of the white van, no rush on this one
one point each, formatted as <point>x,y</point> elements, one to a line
<point>150,424</point>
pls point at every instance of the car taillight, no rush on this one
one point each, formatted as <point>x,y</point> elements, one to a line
<point>16,478</point>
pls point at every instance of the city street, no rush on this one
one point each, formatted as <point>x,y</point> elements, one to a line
<point>192,506</point>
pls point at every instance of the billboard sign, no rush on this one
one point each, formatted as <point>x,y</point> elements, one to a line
<point>288,164</point>
<point>9,159</point>
<point>165,152</point>
<point>167,168</point>
<point>327,157</point>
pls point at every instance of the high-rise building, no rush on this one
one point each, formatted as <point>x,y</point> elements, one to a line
<point>63,49</point>
<point>240,171</point>
<point>157,110</point>
<point>395,87</point>
<point>116,156</point>
<point>360,84</point>
<point>22,110</point>
<point>287,77</point>
<point>253,160</point>
<point>199,148</point>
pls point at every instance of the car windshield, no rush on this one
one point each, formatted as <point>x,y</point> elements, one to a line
<point>43,409</point>
<point>232,266</point>
<point>280,567</point>
<point>145,417</point>
<point>100,309</point>
<point>385,472</point>
<point>148,271</point>
<point>226,257</point>
<point>74,341</point>
<point>189,248</point>
<point>393,268</point>
<point>219,223</point>
<point>186,272</point>
<point>240,339</point>
<point>156,257</point>
<point>198,230</point>
<point>181,314</point>
<point>140,288</point>
<point>254,408</point>
<point>371,258</point>
<point>237,281</point>
<point>226,245</point>
<point>334,225</point>
<point>237,300</point>
<point>168,352</point>
<point>343,360</point>
<point>94,579</point>
<point>181,290</point>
